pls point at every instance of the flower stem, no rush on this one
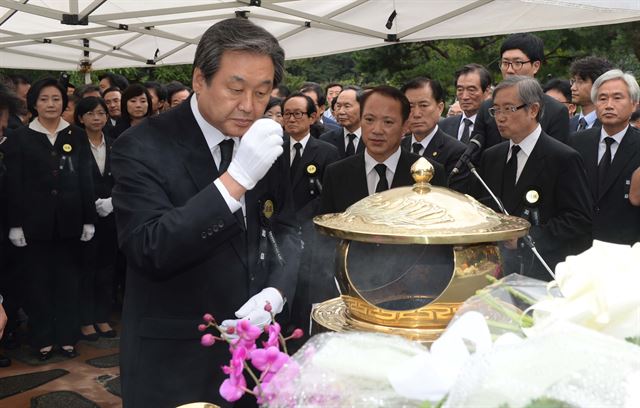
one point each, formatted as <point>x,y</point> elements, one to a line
<point>253,377</point>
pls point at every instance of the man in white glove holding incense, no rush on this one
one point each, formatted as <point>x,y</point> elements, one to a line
<point>205,219</point>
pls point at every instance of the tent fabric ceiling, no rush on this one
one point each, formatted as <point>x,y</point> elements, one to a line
<point>101,34</point>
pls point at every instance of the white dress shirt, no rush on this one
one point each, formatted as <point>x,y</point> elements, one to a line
<point>590,118</point>
<point>425,142</point>
<point>37,126</point>
<point>99,153</point>
<point>602,146</point>
<point>372,175</point>
<point>461,127</point>
<point>292,149</point>
<point>526,147</point>
<point>213,137</point>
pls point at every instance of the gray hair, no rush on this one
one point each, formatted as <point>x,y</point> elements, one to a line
<point>630,80</point>
<point>529,91</point>
<point>237,34</point>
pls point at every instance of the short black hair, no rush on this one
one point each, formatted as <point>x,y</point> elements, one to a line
<point>485,75</point>
<point>112,89</point>
<point>9,100</point>
<point>161,90</point>
<point>359,93</point>
<point>635,115</point>
<point>131,92</point>
<point>273,101</point>
<point>315,87</point>
<point>436,88</point>
<point>36,88</point>
<point>390,92</point>
<point>87,105</point>
<point>561,85</point>
<point>531,45</point>
<point>311,107</point>
<point>590,68</point>
<point>283,91</point>
<point>174,87</point>
<point>18,79</point>
<point>115,80</point>
<point>331,85</point>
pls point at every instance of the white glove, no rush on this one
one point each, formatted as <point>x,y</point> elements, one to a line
<point>254,311</point>
<point>104,206</point>
<point>259,148</point>
<point>87,232</point>
<point>16,236</point>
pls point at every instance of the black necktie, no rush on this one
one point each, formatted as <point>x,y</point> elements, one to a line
<point>417,147</point>
<point>351,149</point>
<point>510,170</point>
<point>465,132</point>
<point>226,153</point>
<point>382,183</point>
<point>582,124</point>
<point>296,158</point>
<point>605,163</point>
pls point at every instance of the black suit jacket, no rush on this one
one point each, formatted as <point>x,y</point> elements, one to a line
<point>187,254</point>
<point>446,150</point>
<point>336,138</point>
<point>345,182</point>
<point>615,219</point>
<point>306,193</point>
<point>556,171</point>
<point>450,125</point>
<point>554,122</point>
<point>50,190</point>
<point>573,123</point>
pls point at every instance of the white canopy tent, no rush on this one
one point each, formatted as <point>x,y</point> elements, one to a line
<point>101,34</point>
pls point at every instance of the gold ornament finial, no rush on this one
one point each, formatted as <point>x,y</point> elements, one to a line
<point>422,171</point>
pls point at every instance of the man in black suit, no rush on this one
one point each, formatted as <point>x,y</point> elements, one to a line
<point>522,54</point>
<point>426,98</point>
<point>197,236</point>
<point>473,86</point>
<point>584,73</point>
<point>322,124</point>
<point>611,155</point>
<point>347,139</point>
<point>308,158</point>
<point>383,164</point>
<point>535,174</point>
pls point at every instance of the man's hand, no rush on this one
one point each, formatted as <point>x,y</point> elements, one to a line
<point>259,149</point>
<point>104,206</point>
<point>87,232</point>
<point>16,236</point>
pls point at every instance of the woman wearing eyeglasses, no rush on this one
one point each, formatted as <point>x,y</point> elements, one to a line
<point>96,285</point>
<point>50,212</point>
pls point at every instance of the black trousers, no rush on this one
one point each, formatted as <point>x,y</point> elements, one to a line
<point>11,282</point>
<point>52,284</point>
<point>97,276</point>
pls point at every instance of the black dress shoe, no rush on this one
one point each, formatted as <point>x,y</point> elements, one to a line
<point>110,334</point>
<point>71,353</point>
<point>89,337</point>
<point>44,355</point>
<point>4,361</point>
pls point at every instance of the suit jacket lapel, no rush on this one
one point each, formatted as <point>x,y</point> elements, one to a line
<point>308,155</point>
<point>591,162</point>
<point>627,149</point>
<point>402,175</point>
<point>435,146</point>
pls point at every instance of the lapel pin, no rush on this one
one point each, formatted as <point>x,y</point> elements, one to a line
<point>311,169</point>
<point>532,197</point>
<point>267,209</point>
<point>67,148</point>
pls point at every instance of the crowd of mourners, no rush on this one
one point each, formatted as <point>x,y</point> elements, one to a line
<point>573,141</point>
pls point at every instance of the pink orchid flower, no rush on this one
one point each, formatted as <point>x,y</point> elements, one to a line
<point>274,336</point>
<point>233,388</point>
<point>269,359</point>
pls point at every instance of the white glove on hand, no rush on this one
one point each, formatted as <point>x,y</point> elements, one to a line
<point>87,232</point>
<point>104,206</point>
<point>253,309</point>
<point>259,149</point>
<point>16,236</point>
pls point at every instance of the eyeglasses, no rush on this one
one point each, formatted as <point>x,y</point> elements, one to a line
<point>578,81</point>
<point>506,111</point>
<point>296,115</point>
<point>516,65</point>
<point>94,114</point>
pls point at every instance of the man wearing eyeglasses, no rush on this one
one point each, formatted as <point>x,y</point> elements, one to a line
<point>536,177</point>
<point>522,54</point>
<point>584,73</point>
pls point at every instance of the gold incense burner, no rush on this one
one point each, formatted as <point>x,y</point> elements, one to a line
<point>409,256</point>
